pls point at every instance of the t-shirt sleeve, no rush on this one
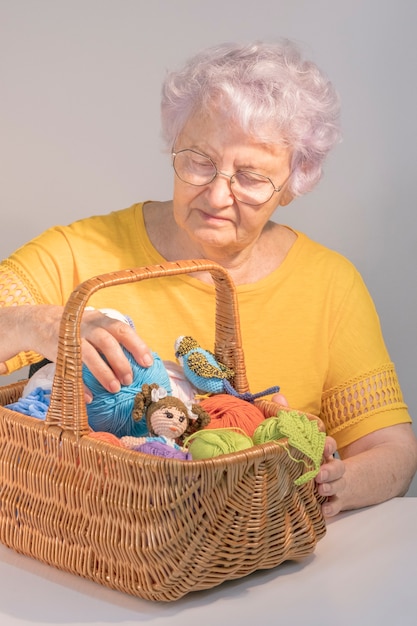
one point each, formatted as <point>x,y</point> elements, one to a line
<point>46,266</point>
<point>362,392</point>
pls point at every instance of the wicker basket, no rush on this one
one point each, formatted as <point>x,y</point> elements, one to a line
<point>149,526</point>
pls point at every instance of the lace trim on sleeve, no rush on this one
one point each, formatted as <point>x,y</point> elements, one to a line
<point>14,288</point>
<point>14,291</point>
<point>374,392</point>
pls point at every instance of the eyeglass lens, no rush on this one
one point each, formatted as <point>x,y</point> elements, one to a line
<point>199,170</point>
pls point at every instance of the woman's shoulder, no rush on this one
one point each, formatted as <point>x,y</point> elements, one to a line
<point>98,224</point>
<point>90,240</point>
<point>321,269</point>
<point>119,219</point>
<point>319,257</point>
<point>311,266</point>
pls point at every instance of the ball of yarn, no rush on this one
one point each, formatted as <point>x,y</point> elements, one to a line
<point>227,411</point>
<point>206,444</point>
<point>106,437</point>
<point>112,412</point>
<point>269,430</point>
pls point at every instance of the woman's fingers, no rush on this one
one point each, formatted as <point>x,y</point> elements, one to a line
<point>330,479</point>
<point>102,338</point>
<point>127,337</point>
<point>330,448</point>
<point>280,399</point>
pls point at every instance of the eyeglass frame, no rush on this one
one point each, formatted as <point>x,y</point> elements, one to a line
<point>229,176</point>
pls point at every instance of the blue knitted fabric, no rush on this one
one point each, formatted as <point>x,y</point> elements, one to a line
<point>35,404</point>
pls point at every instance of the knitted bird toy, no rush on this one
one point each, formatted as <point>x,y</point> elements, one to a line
<point>206,373</point>
<point>169,421</point>
<point>200,366</point>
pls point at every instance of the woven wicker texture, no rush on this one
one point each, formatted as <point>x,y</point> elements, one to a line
<point>152,527</point>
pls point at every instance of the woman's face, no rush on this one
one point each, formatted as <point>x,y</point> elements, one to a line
<point>210,215</point>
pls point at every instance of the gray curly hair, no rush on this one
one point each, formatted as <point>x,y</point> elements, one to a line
<point>270,91</point>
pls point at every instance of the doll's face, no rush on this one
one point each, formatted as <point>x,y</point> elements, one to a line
<point>169,422</point>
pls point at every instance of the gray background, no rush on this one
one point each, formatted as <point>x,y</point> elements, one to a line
<point>79,123</point>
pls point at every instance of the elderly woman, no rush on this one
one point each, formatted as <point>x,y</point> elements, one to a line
<point>248,128</point>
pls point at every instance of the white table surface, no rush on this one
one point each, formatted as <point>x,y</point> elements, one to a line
<point>364,571</point>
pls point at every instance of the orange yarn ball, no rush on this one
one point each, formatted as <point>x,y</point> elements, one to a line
<point>229,412</point>
<point>105,436</point>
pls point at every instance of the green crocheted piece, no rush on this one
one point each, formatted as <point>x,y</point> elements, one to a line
<point>302,434</point>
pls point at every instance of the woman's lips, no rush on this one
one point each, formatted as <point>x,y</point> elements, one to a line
<point>210,217</point>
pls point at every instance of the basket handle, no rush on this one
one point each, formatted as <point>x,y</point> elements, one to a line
<point>67,407</point>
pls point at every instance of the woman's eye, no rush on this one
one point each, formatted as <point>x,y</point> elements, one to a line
<point>202,164</point>
<point>248,179</point>
<point>169,415</point>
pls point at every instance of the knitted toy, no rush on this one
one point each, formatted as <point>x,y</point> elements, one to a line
<point>206,373</point>
<point>169,421</point>
<point>200,366</point>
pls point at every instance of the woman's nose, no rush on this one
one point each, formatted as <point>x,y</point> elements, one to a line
<point>220,190</point>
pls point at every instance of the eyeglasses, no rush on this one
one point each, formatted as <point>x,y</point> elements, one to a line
<point>198,169</point>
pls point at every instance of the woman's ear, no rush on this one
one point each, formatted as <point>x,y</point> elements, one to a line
<point>286,197</point>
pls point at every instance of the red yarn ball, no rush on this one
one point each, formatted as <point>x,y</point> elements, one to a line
<point>226,411</point>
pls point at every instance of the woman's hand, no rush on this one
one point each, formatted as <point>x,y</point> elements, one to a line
<point>36,328</point>
<point>372,469</point>
<point>103,335</point>
<point>280,399</point>
<point>330,479</point>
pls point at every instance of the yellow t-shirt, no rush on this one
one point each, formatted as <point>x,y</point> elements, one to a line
<point>309,327</point>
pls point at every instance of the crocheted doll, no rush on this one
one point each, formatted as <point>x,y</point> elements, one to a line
<point>169,421</point>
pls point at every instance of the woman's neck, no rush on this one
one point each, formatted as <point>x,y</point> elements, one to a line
<point>245,266</point>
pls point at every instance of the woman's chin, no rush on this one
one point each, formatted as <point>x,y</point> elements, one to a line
<point>209,241</point>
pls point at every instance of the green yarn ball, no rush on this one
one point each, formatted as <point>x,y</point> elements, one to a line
<point>268,430</point>
<point>206,444</point>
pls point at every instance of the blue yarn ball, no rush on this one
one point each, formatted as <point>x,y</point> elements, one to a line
<point>112,412</point>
